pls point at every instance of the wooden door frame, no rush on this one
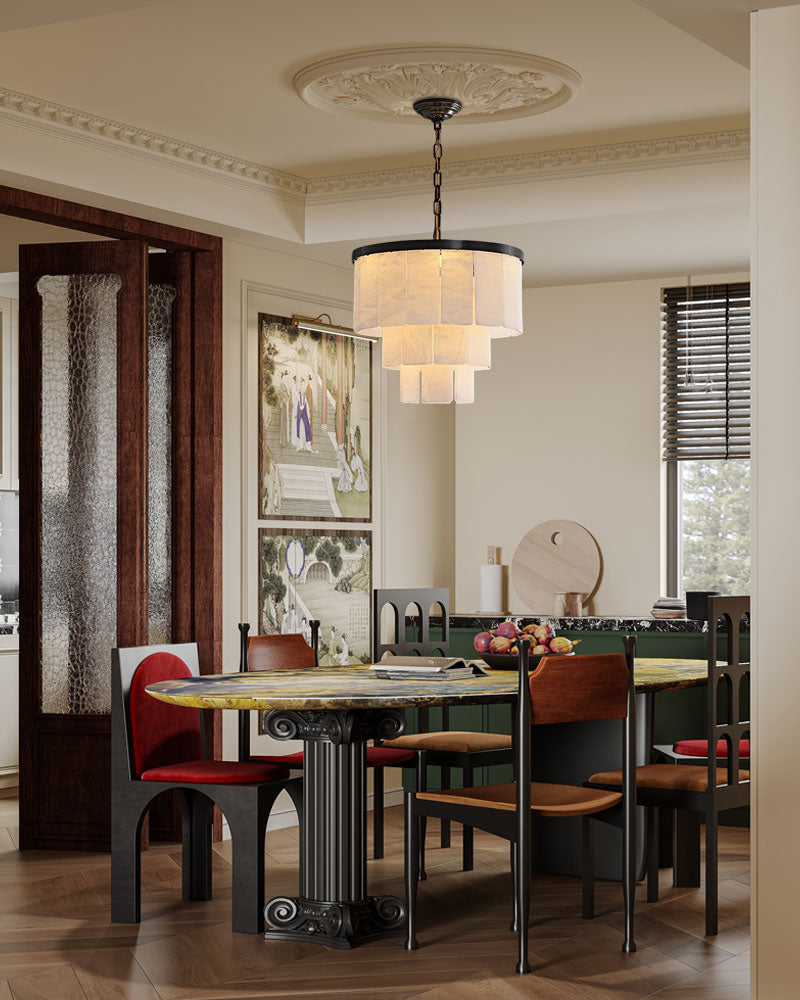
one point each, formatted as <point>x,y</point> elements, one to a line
<point>197,566</point>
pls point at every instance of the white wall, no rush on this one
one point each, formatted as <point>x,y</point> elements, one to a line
<point>567,425</point>
<point>775,38</point>
<point>413,462</point>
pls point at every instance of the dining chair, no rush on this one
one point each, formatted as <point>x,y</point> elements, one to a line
<point>560,689</point>
<point>157,748</point>
<point>695,751</point>
<point>291,651</point>
<point>447,748</point>
<point>703,789</point>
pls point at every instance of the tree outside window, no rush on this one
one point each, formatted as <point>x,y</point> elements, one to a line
<point>714,516</point>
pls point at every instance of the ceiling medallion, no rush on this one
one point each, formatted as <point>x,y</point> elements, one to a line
<point>491,84</point>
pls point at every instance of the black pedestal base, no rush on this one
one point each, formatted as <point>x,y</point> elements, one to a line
<point>336,925</point>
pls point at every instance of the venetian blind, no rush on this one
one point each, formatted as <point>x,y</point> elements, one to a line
<point>706,372</point>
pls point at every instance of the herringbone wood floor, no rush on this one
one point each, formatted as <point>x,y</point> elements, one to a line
<point>56,941</point>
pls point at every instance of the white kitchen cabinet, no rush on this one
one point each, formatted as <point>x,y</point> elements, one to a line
<point>9,721</point>
<point>9,387</point>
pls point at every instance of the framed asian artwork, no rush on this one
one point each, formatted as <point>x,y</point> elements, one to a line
<point>323,574</point>
<point>314,424</point>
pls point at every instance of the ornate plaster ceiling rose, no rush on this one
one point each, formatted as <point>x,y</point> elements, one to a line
<point>492,84</point>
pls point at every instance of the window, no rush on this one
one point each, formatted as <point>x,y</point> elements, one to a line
<point>706,436</point>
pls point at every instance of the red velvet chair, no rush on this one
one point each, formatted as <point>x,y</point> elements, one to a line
<point>157,747</point>
<point>292,652</point>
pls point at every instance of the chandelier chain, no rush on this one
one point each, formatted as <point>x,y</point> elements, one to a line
<point>437,181</point>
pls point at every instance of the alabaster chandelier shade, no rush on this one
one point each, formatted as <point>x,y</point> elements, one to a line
<point>437,304</point>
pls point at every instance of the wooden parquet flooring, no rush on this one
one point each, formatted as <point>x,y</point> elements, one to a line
<point>57,943</point>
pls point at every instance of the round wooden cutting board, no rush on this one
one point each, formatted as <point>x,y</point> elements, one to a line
<point>555,556</point>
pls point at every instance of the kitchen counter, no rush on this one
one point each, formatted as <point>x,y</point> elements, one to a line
<point>605,623</point>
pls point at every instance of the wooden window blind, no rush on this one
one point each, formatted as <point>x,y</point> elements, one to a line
<point>706,372</point>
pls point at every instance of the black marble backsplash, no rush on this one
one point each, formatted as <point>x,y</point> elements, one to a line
<point>616,623</point>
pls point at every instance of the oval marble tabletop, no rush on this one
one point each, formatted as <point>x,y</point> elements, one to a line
<point>357,687</point>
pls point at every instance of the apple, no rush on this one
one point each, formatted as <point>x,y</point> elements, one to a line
<point>500,644</point>
<point>540,650</point>
<point>481,641</point>
<point>506,629</point>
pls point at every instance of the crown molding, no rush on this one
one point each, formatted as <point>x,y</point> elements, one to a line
<point>59,121</point>
<point>63,122</point>
<point>641,154</point>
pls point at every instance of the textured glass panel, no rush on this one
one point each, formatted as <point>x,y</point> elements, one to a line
<point>79,490</point>
<point>159,450</point>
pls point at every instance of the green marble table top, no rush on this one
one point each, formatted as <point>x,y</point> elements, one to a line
<point>357,687</point>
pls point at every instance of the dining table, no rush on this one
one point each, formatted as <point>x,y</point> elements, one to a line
<point>336,711</point>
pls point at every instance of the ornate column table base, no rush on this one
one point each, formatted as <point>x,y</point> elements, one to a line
<point>333,907</point>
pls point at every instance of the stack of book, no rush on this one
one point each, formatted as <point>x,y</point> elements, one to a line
<point>669,607</point>
<point>427,668</point>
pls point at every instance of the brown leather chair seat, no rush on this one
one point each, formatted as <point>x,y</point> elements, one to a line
<point>683,777</point>
<point>546,799</point>
<point>455,742</point>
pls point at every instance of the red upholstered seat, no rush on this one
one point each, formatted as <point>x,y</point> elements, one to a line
<point>162,733</point>
<point>376,757</point>
<point>216,772</point>
<point>699,748</point>
<point>167,739</point>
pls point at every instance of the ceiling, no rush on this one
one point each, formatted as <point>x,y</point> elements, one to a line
<point>722,24</point>
<point>220,75</point>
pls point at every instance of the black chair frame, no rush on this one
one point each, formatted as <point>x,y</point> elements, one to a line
<point>398,599</point>
<point>246,808</point>
<point>691,806</point>
<point>244,715</point>
<point>515,826</point>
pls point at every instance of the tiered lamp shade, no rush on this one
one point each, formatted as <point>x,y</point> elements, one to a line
<point>437,305</point>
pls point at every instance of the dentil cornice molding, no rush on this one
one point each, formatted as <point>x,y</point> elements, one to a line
<point>105,133</point>
<point>641,154</point>
<point>72,124</point>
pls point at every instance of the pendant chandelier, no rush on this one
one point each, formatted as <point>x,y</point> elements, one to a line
<point>437,304</point>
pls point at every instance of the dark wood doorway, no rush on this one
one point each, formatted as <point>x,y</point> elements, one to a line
<point>120,489</point>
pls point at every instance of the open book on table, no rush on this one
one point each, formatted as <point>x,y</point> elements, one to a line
<point>427,668</point>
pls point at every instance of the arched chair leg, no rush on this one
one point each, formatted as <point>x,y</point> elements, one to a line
<point>248,826</point>
<point>126,846</point>
<point>198,812</point>
<point>295,790</point>
<point>377,812</point>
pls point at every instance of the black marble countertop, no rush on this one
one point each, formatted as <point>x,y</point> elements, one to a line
<point>610,623</point>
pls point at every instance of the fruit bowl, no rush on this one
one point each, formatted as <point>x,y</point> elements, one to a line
<point>498,648</point>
